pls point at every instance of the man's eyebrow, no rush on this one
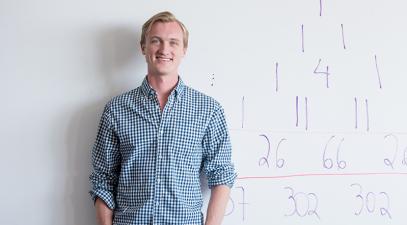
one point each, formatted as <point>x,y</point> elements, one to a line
<point>155,37</point>
<point>171,39</point>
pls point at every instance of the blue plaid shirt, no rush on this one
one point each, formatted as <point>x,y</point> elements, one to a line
<point>147,163</point>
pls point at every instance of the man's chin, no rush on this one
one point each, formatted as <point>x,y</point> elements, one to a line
<point>165,73</point>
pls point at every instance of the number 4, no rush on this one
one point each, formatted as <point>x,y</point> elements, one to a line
<point>326,73</point>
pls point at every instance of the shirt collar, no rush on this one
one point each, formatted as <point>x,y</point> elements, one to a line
<point>148,90</point>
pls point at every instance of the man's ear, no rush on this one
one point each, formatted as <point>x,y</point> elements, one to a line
<point>185,51</point>
<point>142,47</point>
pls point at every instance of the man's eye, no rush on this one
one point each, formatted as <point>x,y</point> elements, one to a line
<point>154,41</point>
<point>174,43</point>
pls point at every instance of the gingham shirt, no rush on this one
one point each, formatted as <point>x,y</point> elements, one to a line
<point>147,163</point>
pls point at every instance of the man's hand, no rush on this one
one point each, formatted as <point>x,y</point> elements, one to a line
<point>217,205</point>
<point>104,214</point>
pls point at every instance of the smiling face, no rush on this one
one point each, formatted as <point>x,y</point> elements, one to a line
<point>164,49</point>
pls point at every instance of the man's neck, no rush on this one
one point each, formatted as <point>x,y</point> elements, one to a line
<point>163,85</point>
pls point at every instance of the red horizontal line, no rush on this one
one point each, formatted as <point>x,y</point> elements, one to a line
<point>319,175</point>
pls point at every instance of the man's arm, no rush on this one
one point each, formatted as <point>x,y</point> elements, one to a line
<point>217,205</point>
<point>104,177</point>
<point>104,214</point>
<point>218,166</point>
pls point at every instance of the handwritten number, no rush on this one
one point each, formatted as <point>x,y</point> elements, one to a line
<point>303,199</point>
<point>264,160</point>
<point>385,211</point>
<point>306,200</point>
<point>341,163</point>
<point>368,201</point>
<point>279,161</point>
<point>291,197</point>
<point>360,197</point>
<point>232,207</point>
<point>243,203</point>
<point>370,197</point>
<point>313,210</point>
<point>387,161</point>
<point>326,72</point>
<point>328,163</point>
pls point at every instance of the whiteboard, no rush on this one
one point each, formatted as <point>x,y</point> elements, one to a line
<point>313,93</point>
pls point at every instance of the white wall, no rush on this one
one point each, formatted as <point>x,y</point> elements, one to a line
<point>61,61</point>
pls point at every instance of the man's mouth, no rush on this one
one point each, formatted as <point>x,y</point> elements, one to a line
<point>164,59</point>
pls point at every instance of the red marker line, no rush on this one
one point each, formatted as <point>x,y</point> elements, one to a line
<point>318,175</point>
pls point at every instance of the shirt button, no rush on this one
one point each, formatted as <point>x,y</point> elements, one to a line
<point>158,180</point>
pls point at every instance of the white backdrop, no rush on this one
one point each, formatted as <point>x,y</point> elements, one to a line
<point>313,92</point>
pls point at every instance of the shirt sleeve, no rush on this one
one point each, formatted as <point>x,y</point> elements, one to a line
<point>217,152</point>
<point>105,162</point>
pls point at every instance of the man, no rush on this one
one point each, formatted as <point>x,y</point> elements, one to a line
<point>154,141</point>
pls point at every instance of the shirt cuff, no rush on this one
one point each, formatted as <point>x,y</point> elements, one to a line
<point>225,176</point>
<point>106,196</point>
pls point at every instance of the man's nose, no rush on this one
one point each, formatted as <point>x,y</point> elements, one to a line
<point>164,48</point>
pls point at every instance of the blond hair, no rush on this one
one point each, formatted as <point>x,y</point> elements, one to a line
<point>164,17</point>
